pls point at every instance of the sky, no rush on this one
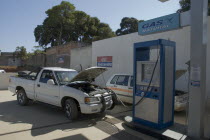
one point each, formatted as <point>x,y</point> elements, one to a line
<point>19,18</point>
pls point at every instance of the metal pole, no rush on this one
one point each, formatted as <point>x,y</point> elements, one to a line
<point>198,68</point>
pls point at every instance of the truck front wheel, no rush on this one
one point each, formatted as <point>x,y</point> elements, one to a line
<point>71,109</point>
<point>22,98</point>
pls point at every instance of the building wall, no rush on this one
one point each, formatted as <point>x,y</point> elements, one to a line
<point>81,58</point>
<point>207,115</point>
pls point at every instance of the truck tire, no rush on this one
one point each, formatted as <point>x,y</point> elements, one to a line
<point>22,98</point>
<point>71,109</point>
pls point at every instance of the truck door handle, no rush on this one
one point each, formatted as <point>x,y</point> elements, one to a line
<point>38,85</point>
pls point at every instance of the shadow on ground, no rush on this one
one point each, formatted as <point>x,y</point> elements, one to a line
<point>74,137</point>
<point>41,116</point>
<point>42,119</point>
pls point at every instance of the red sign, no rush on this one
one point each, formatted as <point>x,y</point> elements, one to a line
<point>104,61</point>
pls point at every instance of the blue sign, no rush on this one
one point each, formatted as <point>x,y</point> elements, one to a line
<point>60,60</point>
<point>104,64</point>
<point>160,24</point>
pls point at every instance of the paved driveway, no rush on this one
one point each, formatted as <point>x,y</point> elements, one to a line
<point>40,121</point>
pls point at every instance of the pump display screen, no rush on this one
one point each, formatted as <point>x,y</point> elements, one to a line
<point>147,70</point>
<point>144,73</point>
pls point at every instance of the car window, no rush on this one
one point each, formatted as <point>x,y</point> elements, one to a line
<point>122,80</point>
<point>131,84</point>
<point>46,75</point>
<point>65,77</point>
<point>114,79</point>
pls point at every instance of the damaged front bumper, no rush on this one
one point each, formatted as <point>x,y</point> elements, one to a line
<point>95,108</point>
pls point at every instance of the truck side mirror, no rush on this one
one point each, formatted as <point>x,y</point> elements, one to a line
<point>50,82</point>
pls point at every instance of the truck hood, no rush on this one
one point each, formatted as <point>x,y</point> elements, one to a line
<point>89,74</point>
<point>179,73</point>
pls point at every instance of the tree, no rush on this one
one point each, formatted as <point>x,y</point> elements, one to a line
<point>51,31</point>
<point>185,6</point>
<point>64,24</point>
<point>104,31</point>
<point>127,26</point>
<point>88,29</point>
<point>20,52</point>
<point>39,49</point>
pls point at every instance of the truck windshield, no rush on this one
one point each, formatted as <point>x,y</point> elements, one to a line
<point>64,77</point>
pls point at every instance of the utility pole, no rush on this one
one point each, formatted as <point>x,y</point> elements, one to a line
<point>198,52</point>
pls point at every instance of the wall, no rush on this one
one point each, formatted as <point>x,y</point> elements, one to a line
<point>4,80</point>
<point>7,59</point>
<point>207,115</point>
<point>35,60</point>
<point>81,58</point>
<point>60,56</point>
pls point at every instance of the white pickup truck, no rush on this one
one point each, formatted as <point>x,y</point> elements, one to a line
<point>64,88</point>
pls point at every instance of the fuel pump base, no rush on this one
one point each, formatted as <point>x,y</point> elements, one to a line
<point>154,83</point>
<point>177,131</point>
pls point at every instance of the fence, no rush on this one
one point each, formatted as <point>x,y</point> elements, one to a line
<point>56,56</point>
<point>36,60</point>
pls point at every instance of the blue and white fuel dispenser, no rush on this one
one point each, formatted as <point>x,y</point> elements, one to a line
<point>154,83</point>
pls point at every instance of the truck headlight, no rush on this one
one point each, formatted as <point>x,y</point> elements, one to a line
<point>92,100</point>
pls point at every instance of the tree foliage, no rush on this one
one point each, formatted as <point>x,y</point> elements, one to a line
<point>127,26</point>
<point>185,6</point>
<point>39,50</point>
<point>20,52</point>
<point>64,24</point>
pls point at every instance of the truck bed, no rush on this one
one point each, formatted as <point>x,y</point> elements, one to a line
<point>26,83</point>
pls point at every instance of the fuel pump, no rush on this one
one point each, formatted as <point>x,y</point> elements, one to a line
<point>154,83</point>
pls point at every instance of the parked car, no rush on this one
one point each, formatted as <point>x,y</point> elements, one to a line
<point>64,88</point>
<point>122,85</point>
<point>2,71</point>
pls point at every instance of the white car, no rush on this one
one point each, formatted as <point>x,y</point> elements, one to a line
<point>122,85</point>
<point>2,71</point>
<point>64,88</point>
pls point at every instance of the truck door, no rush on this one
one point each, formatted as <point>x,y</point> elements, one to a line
<point>45,92</point>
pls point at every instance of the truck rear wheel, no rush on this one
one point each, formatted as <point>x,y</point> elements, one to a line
<point>71,109</point>
<point>22,98</point>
